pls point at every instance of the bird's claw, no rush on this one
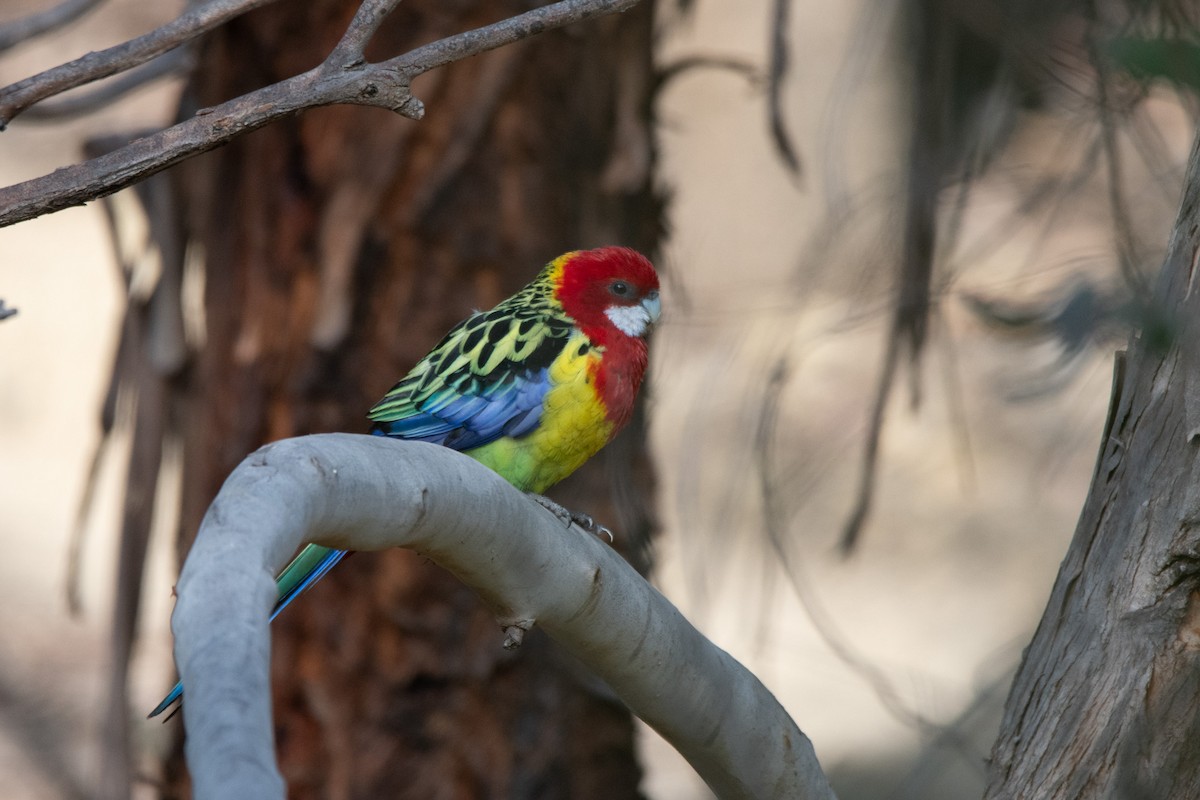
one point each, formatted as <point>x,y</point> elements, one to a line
<point>568,516</point>
<point>591,526</point>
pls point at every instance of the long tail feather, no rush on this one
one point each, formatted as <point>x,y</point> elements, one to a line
<point>167,702</point>
<point>307,568</point>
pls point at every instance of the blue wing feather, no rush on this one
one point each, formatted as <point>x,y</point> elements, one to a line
<point>511,407</point>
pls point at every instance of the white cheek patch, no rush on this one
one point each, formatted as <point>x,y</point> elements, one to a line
<point>629,320</point>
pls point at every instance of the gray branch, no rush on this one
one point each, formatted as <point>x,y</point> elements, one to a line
<point>371,493</point>
<point>335,81</point>
<point>367,19</point>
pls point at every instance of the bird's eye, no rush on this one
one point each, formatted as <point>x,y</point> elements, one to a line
<point>620,289</point>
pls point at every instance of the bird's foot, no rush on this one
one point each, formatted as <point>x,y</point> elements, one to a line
<point>568,516</point>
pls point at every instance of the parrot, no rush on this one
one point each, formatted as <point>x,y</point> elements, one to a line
<point>532,388</point>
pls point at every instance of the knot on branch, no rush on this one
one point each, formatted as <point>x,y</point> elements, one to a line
<point>411,108</point>
<point>514,634</point>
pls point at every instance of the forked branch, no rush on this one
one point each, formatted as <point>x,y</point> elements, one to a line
<point>341,78</point>
<point>198,19</point>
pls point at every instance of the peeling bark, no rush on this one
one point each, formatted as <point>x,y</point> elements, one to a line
<point>1107,700</point>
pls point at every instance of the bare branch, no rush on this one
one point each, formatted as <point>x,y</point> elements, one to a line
<point>367,19</point>
<point>210,128</point>
<point>738,66</point>
<point>372,493</point>
<point>1113,721</point>
<point>870,458</point>
<point>199,19</point>
<point>513,29</point>
<point>177,62</point>
<point>779,65</point>
<point>26,28</point>
<point>384,85</point>
<point>6,311</point>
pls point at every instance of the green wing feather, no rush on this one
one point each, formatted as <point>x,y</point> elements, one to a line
<point>486,379</point>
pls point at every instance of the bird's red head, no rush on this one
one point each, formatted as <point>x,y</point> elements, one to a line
<point>609,292</point>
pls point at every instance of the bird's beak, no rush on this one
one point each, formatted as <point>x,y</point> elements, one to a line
<point>652,305</point>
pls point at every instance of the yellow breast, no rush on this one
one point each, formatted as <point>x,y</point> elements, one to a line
<point>572,428</point>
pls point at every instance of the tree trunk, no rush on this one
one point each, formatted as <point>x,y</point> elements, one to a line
<point>1107,700</point>
<point>338,248</point>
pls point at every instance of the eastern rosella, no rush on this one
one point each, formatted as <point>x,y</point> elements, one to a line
<point>532,388</point>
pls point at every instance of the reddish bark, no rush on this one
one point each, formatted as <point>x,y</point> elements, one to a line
<point>338,248</point>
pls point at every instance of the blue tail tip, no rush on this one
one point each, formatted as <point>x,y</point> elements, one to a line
<point>174,695</point>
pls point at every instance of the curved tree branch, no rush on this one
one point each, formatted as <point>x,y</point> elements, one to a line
<point>780,56</point>
<point>371,493</point>
<point>384,84</point>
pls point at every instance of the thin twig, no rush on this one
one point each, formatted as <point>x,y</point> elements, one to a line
<point>177,62</point>
<point>366,22</point>
<point>91,67</point>
<point>6,311</point>
<point>210,128</point>
<point>928,154</point>
<point>792,564</point>
<point>384,85</point>
<point>668,72</point>
<point>779,65</point>
<point>870,458</point>
<point>34,25</point>
<point>513,29</point>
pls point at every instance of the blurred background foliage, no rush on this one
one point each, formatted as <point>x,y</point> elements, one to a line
<point>963,199</point>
